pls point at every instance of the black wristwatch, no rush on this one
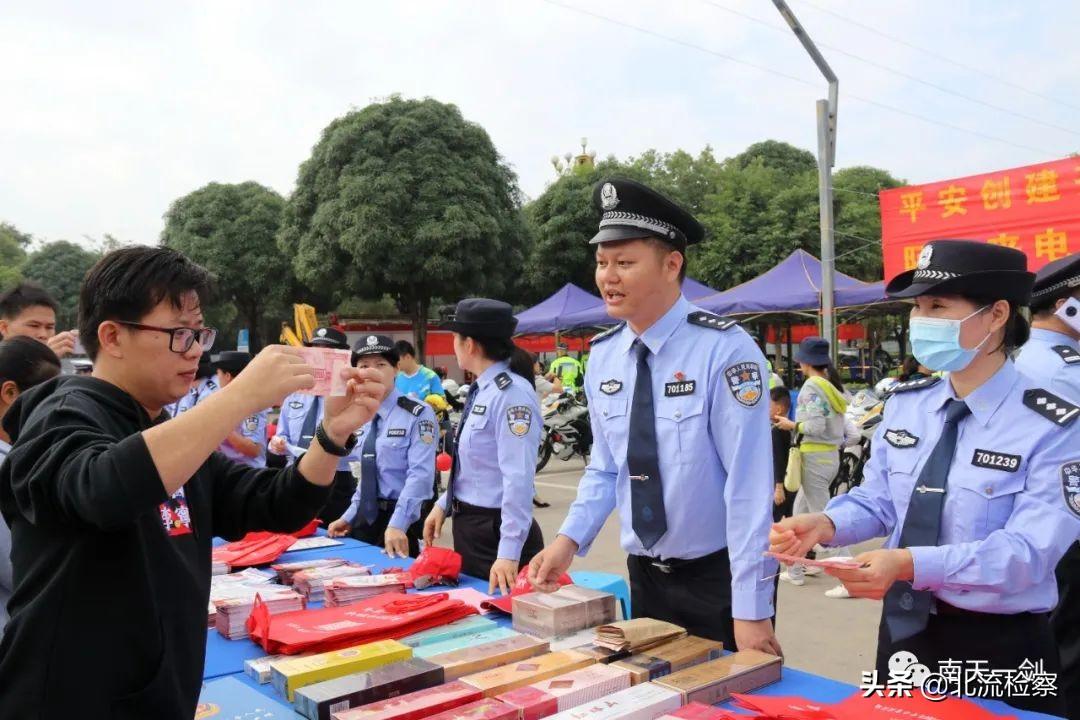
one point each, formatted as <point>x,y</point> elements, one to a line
<point>330,446</point>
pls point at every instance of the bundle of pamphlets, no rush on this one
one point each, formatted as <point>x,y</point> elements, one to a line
<point>354,588</point>
<point>233,612</point>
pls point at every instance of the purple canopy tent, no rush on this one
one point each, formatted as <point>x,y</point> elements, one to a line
<point>794,285</point>
<point>549,315</point>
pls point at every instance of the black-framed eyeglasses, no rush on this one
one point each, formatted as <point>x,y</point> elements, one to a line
<point>180,338</point>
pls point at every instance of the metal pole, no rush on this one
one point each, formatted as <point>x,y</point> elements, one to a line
<point>828,314</point>
<point>826,133</point>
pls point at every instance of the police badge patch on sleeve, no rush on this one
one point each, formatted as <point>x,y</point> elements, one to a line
<point>519,418</point>
<point>252,423</point>
<point>427,431</point>
<point>901,439</point>
<point>1070,485</point>
<point>744,381</point>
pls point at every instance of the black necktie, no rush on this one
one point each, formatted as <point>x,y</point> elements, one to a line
<point>907,610</point>
<point>642,458</point>
<point>369,475</point>
<point>456,464</point>
<point>311,421</point>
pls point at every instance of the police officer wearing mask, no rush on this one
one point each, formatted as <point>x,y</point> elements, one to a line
<point>490,490</point>
<point>679,415</point>
<point>247,443</point>
<point>396,464</point>
<point>1052,357</point>
<point>974,480</point>
<point>300,417</point>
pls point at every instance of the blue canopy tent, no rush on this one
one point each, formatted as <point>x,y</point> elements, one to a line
<point>550,315</point>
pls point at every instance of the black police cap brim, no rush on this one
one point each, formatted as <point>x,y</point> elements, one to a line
<point>618,234</point>
<point>481,330</point>
<point>391,356</point>
<point>1011,285</point>
<point>327,343</point>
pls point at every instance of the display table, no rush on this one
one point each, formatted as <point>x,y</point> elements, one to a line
<point>226,657</point>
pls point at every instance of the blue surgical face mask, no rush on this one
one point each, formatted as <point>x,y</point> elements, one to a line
<point>936,343</point>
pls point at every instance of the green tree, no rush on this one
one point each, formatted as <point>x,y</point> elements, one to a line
<point>776,155</point>
<point>406,197</point>
<point>231,230</point>
<point>13,245</point>
<point>60,267</point>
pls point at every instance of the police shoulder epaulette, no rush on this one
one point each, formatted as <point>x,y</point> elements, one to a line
<point>1068,354</point>
<point>503,381</point>
<point>707,319</point>
<point>916,384</point>
<point>411,405</point>
<point>602,336</point>
<point>1050,406</point>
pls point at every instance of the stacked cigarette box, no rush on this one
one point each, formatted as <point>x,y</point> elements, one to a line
<point>486,709</point>
<point>463,642</point>
<point>289,675</point>
<point>465,626</point>
<point>641,702</point>
<point>467,661</point>
<point>320,700</point>
<point>713,682</point>
<point>670,657</point>
<point>567,691</point>
<point>562,613</point>
<point>417,705</point>
<point>510,677</point>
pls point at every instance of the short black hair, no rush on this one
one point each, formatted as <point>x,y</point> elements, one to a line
<point>666,247</point>
<point>780,395</point>
<point>128,283</point>
<point>25,295</point>
<point>404,347</point>
<point>27,362</point>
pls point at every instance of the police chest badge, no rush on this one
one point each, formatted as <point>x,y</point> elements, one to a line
<point>519,418</point>
<point>1070,485</point>
<point>901,439</point>
<point>252,423</point>
<point>296,405</point>
<point>427,431</point>
<point>395,432</point>
<point>744,381</point>
<point>610,387</point>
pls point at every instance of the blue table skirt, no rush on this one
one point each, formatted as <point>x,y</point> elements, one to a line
<point>226,657</point>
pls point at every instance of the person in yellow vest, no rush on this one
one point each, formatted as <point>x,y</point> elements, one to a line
<point>566,368</point>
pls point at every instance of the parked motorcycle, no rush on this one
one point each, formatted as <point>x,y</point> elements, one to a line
<point>566,430</point>
<point>864,412</point>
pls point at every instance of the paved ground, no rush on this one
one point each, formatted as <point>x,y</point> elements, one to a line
<point>835,638</point>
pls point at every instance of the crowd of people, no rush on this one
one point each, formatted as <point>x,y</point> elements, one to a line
<point>115,483</point>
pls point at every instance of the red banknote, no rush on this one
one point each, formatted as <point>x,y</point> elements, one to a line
<point>328,364</point>
<point>844,562</point>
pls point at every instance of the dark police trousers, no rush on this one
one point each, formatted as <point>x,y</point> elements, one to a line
<point>373,534</point>
<point>477,531</point>
<point>341,493</point>
<point>1065,622</point>
<point>1003,641</point>
<point>694,594</point>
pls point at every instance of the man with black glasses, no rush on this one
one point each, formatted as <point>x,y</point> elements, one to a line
<point>112,509</point>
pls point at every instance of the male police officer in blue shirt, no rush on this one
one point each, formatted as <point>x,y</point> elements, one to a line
<point>204,386</point>
<point>1052,358</point>
<point>398,459</point>
<point>247,443</point>
<point>300,416</point>
<point>681,442</point>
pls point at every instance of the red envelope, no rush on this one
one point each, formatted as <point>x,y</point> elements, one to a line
<point>785,708</point>
<point>858,707</point>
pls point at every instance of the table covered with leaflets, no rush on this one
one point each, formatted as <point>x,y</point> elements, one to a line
<point>363,643</point>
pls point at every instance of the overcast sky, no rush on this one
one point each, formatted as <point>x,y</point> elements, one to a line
<point>111,110</point>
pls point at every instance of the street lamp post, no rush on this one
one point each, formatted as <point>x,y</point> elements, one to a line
<point>826,137</point>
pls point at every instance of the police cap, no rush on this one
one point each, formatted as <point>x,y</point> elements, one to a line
<point>630,210</point>
<point>969,268</point>
<point>1056,280</point>
<point>375,345</point>
<point>328,337</point>
<point>481,317</point>
<point>231,361</point>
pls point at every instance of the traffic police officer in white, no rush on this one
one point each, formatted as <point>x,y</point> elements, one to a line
<point>247,443</point>
<point>974,479</point>
<point>300,417</point>
<point>1052,358</point>
<point>396,464</point>
<point>490,490</point>
<point>681,436</point>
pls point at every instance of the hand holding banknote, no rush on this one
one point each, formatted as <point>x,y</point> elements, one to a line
<point>345,414</point>
<point>274,373</point>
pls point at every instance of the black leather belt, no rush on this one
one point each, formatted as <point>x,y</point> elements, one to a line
<point>464,508</point>
<point>672,565</point>
<point>946,610</point>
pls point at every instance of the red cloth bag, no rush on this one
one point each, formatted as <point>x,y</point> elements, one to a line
<point>260,548</point>
<point>383,617</point>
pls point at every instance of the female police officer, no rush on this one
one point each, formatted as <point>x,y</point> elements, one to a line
<point>490,490</point>
<point>974,478</point>
<point>396,464</point>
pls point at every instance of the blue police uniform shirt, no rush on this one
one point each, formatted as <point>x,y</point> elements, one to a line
<point>7,583</point>
<point>425,382</point>
<point>1012,502</point>
<point>294,410</point>
<point>405,456</point>
<point>497,454</point>
<point>200,390</point>
<point>1039,360</point>
<point>253,428</point>
<point>714,445</point>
